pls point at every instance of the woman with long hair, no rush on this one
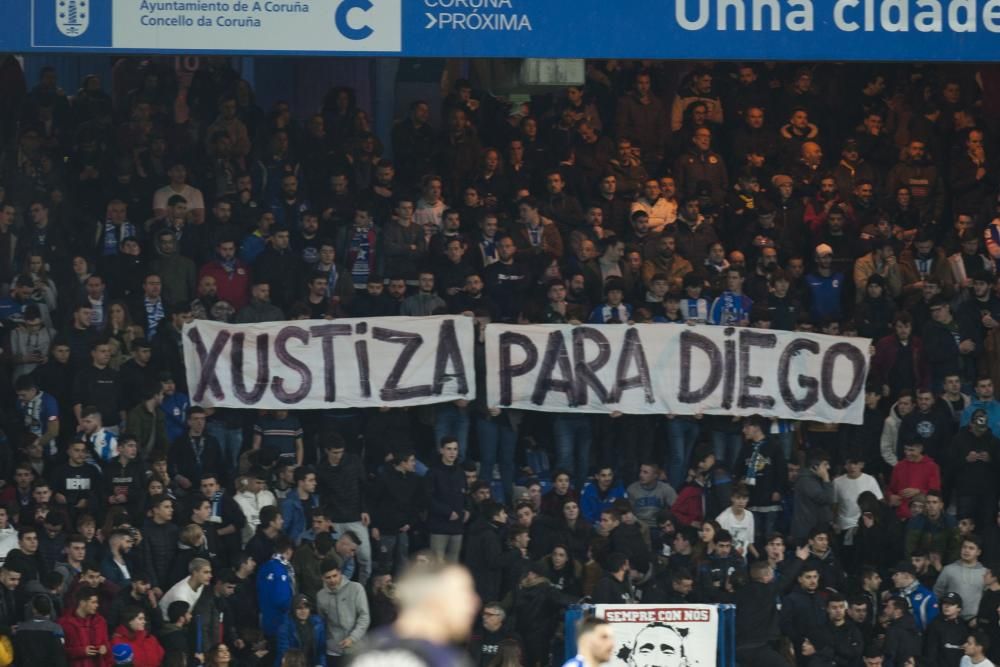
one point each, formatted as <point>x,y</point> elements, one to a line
<point>45,287</point>
<point>563,570</point>
<point>119,326</point>
<point>491,180</point>
<point>146,650</point>
<point>574,531</point>
<point>706,541</point>
<point>218,656</point>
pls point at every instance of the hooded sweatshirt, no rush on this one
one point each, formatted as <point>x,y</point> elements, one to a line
<point>345,610</point>
<point>923,474</point>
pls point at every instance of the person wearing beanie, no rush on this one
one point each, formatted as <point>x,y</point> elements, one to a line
<point>303,630</point>
<point>122,654</point>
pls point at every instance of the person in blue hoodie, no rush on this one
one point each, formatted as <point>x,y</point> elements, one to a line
<point>275,586</point>
<point>303,630</point>
<point>295,507</point>
<point>600,494</point>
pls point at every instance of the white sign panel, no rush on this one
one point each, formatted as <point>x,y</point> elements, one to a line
<point>268,25</point>
<point>662,635</point>
<point>676,369</point>
<point>317,364</point>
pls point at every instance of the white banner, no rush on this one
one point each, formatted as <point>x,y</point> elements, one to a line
<point>662,635</point>
<point>676,369</point>
<point>317,364</point>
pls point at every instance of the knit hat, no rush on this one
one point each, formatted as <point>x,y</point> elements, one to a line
<point>122,654</point>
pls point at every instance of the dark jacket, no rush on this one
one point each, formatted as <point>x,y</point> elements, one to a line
<point>127,480</point>
<point>342,488</point>
<point>758,620</point>
<point>283,270</point>
<point>446,490</point>
<point>159,542</point>
<point>39,642</point>
<point>802,615</point>
<point>396,499</point>
<point>978,477</point>
<point>943,641</point>
<point>182,459</point>
<point>813,504</point>
<point>902,640</point>
<point>933,428</point>
<point>537,612</point>
<point>611,591</point>
<point>839,646</point>
<point>483,557</point>
<point>770,471</point>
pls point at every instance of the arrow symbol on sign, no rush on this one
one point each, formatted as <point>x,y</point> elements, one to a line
<point>431,21</point>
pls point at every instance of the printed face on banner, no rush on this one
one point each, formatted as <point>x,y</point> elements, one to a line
<point>662,635</point>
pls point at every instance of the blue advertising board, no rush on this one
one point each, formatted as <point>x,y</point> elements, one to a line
<point>900,30</point>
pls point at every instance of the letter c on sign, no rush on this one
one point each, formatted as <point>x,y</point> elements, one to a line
<point>345,28</point>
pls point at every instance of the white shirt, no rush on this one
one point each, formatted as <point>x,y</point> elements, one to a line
<point>180,591</point>
<point>661,213</point>
<point>967,662</point>
<point>193,195</point>
<point>742,530</point>
<point>251,505</point>
<point>845,495</point>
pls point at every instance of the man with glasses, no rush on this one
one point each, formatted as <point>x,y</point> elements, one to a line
<point>484,645</point>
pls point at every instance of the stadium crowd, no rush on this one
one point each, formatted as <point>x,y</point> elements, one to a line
<point>138,528</point>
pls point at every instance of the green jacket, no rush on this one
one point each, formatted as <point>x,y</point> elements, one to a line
<point>149,429</point>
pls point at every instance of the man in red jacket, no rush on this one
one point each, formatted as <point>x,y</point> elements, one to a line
<point>232,279</point>
<point>86,633</point>
<point>915,474</point>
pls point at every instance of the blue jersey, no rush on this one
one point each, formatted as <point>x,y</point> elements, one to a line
<point>575,662</point>
<point>730,309</point>
<point>825,294</point>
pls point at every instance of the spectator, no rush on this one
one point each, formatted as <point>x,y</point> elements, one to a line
<point>447,514</point>
<point>146,650</point>
<point>814,495</point>
<point>86,633</point>
<point>275,587</point>
<point>964,576</point>
<point>343,606</point>
<point>302,630</point>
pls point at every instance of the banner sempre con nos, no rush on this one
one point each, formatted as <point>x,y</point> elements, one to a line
<point>663,635</point>
<point>676,369</point>
<point>317,364</point>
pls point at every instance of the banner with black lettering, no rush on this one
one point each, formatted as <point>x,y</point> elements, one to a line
<point>676,369</point>
<point>662,635</point>
<point>317,364</point>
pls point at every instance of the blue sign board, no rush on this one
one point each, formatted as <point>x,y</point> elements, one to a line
<point>907,30</point>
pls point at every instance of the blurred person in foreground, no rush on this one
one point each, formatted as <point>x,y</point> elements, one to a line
<point>437,606</point>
